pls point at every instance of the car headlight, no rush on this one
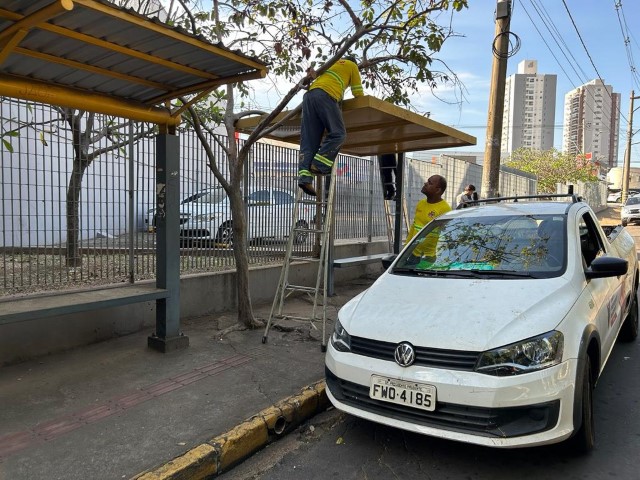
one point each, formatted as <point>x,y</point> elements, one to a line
<point>204,217</point>
<point>529,355</point>
<point>340,339</point>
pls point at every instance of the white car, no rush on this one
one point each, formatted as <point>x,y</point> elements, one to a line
<point>150,219</point>
<point>269,215</point>
<point>491,327</point>
<point>630,212</point>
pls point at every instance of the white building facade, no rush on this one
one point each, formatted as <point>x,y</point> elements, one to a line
<point>529,109</point>
<point>592,122</point>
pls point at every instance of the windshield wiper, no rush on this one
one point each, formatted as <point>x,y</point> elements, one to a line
<point>430,272</point>
<point>504,273</point>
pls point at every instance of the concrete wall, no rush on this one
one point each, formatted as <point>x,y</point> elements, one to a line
<point>200,295</point>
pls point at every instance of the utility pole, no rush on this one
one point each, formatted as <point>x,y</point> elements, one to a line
<point>626,168</point>
<point>491,165</point>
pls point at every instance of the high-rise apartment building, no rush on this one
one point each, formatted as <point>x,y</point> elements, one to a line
<point>529,109</point>
<point>591,123</point>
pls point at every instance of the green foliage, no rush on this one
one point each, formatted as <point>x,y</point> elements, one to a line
<point>551,167</point>
<point>396,40</point>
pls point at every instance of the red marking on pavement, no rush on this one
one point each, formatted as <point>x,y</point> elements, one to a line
<point>49,430</point>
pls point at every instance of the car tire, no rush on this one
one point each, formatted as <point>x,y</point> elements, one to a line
<point>225,234</point>
<point>584,439</point>
<point>629,330</point>
<point>625,223</point>
<point>301,237</point>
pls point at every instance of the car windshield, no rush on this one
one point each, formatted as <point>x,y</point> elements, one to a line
<point>525,246</point>
<point>633,201</point>
<point>212,196</point>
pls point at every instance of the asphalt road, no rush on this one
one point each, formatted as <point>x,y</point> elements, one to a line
<point>336,445</point>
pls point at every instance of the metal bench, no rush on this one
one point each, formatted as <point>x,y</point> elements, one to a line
<point>355,261</point>
<point>18,309</point>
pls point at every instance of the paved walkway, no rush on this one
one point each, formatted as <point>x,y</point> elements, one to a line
<point>115,409</point>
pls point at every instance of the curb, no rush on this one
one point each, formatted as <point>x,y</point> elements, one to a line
<point>222,452</point>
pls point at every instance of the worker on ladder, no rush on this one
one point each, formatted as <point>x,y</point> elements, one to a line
<point>321,110</point>
<point>388,164</point>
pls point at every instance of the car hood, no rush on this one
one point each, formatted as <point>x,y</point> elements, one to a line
<point>458,314</point>
<point>205,208</point>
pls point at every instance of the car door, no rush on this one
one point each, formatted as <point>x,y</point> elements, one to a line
<point>607,293</point>
<point>284,203</point>
<point>260,212</point>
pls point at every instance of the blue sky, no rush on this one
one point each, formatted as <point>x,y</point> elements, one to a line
<point>469,56</point>
<point>599,26</point>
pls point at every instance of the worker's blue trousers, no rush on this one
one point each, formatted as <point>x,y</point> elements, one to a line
<point>320,112</point>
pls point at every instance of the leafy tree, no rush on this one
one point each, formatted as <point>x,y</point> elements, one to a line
<point>552,166</point>
<point>395,41</point>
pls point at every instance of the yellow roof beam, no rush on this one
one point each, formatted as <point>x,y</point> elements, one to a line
<point>38,17</point>
<point>90,68</point>
<point>8,45</point>
<point>43,92</point>
<point>209,85</point>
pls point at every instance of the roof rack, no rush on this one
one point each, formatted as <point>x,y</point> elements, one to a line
<point>574,198</point>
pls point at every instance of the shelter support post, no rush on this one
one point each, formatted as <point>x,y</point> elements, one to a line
<point>168,336</point>
<point>397,230</point>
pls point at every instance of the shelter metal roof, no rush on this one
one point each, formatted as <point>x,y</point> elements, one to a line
<point>94,55</point>
<point>374,127</point>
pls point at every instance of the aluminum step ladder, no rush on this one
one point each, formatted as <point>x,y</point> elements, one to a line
<point>324,205</point>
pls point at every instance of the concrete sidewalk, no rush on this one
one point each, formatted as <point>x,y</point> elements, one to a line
<point>118,410</point>
<point>115,409</point>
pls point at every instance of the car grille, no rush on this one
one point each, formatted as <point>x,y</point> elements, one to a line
<point>429,357</point>
<point>488,422</point>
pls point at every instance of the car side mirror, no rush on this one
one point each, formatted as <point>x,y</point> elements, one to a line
<point>605,266</point>
<point>388,260</point>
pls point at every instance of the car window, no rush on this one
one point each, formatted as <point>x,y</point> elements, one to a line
<point>633,201</point>
<point>533,244</point>
<point>590,240</point>
<point>215,196</point>
<point>259,197</point>
<point>282,198</point>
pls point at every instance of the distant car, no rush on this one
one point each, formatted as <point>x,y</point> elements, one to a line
<point>614,197</point>
<point>269,215</point>
<point>631,210</point>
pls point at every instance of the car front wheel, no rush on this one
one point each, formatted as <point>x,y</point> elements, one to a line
<point>585,438</point>
<point>225,233</point>
<point>300,237</point>
<point>625,223</point>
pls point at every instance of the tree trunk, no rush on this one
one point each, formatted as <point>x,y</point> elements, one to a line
<point>73,215</point>
<point>245,312</point>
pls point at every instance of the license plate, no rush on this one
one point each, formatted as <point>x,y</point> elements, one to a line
<point>412,394</point>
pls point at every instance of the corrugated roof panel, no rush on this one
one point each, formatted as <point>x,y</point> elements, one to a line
<point>150,59</point>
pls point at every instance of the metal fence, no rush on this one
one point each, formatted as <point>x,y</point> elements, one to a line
<point>112,163</point>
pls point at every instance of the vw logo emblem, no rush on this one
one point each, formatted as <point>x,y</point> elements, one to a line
<point>405,355</point>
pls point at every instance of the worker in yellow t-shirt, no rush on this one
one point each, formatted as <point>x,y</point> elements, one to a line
<point>427,209</point>
<point>321,111</point>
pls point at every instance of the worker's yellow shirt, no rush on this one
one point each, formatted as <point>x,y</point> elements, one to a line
<point>342,74</point>
<point>425,212</point>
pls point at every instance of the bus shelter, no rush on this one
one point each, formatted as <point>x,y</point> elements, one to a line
<point>375,127</point>
<point>92,55</point>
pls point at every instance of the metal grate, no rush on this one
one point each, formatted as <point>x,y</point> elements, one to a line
<point>429,357</point>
